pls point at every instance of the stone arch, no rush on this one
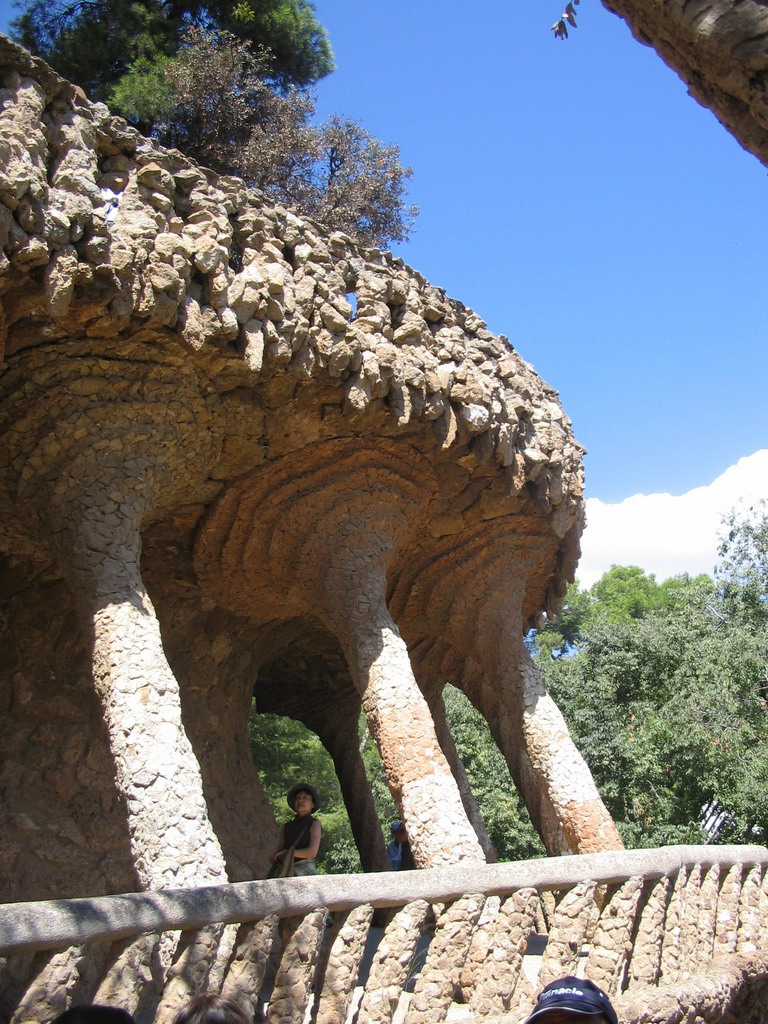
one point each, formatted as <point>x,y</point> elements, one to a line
<point>316,532</point>
<point>206,450</point>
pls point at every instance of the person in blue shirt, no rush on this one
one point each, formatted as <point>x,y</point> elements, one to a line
<point>399,850</point>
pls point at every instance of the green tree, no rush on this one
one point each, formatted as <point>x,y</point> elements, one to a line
<point>504,815</point>
<point>664,692</point>
<point>743,568</point>
<point>286,752</point>
<point>621,594</point>
<point>218,108</point>
<point>96,42</point>
<point>561,635</point>
<point>227,85</point>
<point>626,592</point>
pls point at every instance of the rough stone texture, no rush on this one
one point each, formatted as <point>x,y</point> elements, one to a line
<point>53,977</point>
<point>727,924</point>
<point>246,970</point>
<point>26,927</point>
<point>16,971</point>
<point>52,982</point>
<point>238,457</point>
<point>392,962</point>
<point>726,993</point>
<point>190,971</point>
<point>438,980</point>
<point>132,979</point>
<point>732,991</point>
<point>293,985</point>
<point>500,971</point>
<point>574,920</point>
<point>343,966</point>
<point>701,942</point>
<point>646,954</point>
<point>763,911</point>
<point>750,922</point>
<point>474,955</point>
<point>686,926</point>
<point>471,807</point>
<point>612,942</point>
<point>482,941</point>
<point>60,808</point>
<point>671,940</point>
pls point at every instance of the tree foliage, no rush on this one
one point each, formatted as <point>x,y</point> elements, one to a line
<point>743,569</point>
<point>227,85</point>
<point>506,820</point>
<point>219,109</point>
<point>285,752</point>
<point>95,42</point>
<point>663,687</point>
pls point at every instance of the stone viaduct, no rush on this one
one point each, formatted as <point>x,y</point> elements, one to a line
<point>238,456</point>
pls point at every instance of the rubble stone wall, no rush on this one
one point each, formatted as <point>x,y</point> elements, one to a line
<point>239,454</point>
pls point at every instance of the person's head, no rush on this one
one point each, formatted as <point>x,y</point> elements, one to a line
<point>573,1001</point>
<point>95,1014</point>
<point>399,832</point>
<point>212,1009</point>
<point>302,799</point>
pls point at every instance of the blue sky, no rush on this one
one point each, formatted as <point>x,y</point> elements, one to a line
<point>584,205</point>
<point>578,199</point>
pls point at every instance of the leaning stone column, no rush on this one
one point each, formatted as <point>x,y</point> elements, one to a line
<point>474,588</point>
<point>95,533</point>
<point>312,536</point>
<point>102,436</point>
<point>500,706</point>
<point>354,606</point>
<point>437,709</point>
<point>339,737</point>
<point>556,766</point>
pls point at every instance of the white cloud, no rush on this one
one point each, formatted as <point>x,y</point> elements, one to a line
<point>668,534</point>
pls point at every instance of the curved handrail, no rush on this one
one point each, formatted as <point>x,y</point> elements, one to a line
<point>49,924</point>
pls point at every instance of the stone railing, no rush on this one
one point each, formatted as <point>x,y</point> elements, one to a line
<point>672,934</point>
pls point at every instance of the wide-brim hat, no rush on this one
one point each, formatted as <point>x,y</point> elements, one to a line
<point>577,995</point>
<point>302,786</point>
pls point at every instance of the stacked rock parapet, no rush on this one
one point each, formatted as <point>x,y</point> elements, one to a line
<point>132,238</point>
<point>310,459</point>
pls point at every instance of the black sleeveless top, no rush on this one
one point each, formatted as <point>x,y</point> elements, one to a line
<point>298,828</point>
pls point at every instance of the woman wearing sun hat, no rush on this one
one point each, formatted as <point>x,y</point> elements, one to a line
<point>304,830</point>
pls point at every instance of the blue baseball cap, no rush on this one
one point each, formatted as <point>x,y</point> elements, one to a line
<point>577,995</point>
